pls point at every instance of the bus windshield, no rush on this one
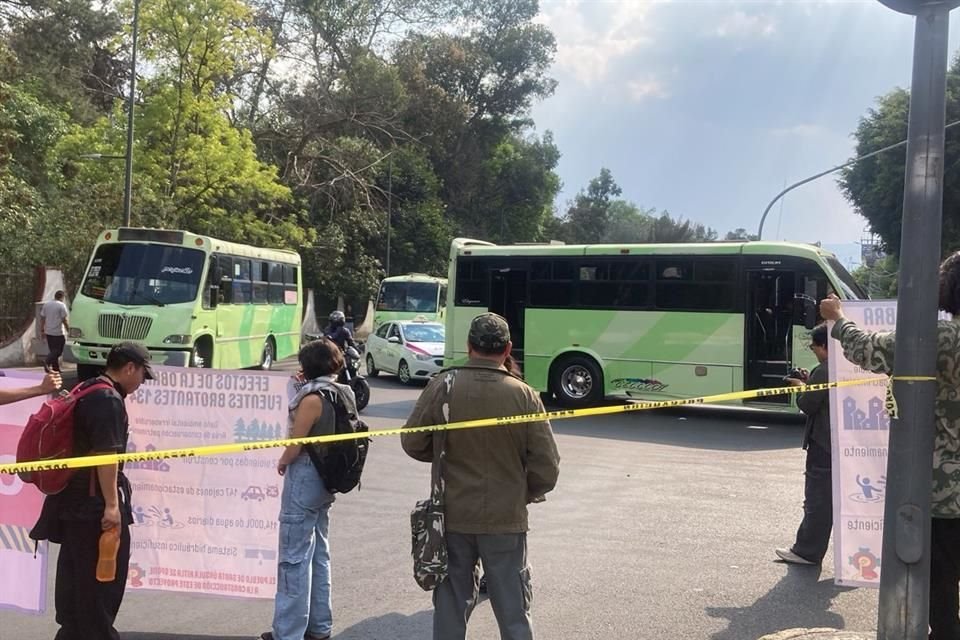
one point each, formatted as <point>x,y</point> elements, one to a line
<point>144,274</point>
<point>420,297</point>
<point>851,288</point>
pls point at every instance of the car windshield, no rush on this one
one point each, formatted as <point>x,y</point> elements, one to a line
<point>424,332</point>
<point>408,296</point>
<point>144,274</point>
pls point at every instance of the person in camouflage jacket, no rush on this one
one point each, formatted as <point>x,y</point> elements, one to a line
<point>874,352</point>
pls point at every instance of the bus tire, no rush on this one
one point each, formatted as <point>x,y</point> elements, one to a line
<point>577,381</point>
<point>269,355</point>
<point>202,354</point>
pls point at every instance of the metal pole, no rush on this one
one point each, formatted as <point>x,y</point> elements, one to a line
<point>846,164</point>
<point>128,173</point>
<point>905,559</point>
<point>389,206</point>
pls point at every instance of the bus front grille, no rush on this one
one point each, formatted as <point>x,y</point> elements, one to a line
<point>119,327</point>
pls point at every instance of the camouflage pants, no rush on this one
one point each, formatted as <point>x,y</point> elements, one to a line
<point>504,558</point>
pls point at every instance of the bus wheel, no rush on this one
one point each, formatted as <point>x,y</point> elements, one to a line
<point>372,370</point>
<point>201,357</point>
<point>577,381</point>
<point>268,355</point>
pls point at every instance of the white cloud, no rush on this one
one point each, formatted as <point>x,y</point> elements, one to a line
<point>640,90</point>
<point>593,35</point>
<point>742,25</point>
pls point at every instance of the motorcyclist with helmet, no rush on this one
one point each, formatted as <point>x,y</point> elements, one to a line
<point>338,332</point>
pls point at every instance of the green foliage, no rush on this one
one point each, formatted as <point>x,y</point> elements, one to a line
<point>875,186</point>
<point>597,216</point>
<point>880,280</point>
<point>291,124</point>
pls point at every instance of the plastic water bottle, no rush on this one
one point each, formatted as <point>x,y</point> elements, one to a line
<point>107,561</point>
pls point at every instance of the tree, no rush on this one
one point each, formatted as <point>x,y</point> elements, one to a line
<point>589,215</point>
<point>740,234</point>
<point>875,186</point>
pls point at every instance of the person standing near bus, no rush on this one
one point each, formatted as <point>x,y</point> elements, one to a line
<point>53,319</point>
<point>813,536</point>
<point>490,476</point>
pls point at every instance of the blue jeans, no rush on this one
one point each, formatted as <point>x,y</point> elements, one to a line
<point>303,574</point>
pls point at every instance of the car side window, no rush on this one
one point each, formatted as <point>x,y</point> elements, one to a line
<point>394,331</point>
<point>382,331</point>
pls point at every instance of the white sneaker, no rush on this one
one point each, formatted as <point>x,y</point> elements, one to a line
<point>789,556</point>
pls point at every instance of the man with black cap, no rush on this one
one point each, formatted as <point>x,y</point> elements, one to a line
<point>489,477</point>
<point>95,500</point>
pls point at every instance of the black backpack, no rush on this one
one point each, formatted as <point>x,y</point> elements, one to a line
<point>341,463</point>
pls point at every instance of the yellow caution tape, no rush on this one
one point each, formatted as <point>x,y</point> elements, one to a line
<point>238,447</point>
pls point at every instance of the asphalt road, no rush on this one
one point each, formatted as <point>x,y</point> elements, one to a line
<point>663,526</point>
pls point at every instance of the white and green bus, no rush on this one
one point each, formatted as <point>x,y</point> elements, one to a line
<point>414,296</point>
<point>191,300</point>
<point>655,322</point>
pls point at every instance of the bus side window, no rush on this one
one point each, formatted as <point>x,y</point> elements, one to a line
<point>276,283</point>
<point>289,284</point>
<point>242,285</point>
<point>225,274</point>
<point>261,279</point>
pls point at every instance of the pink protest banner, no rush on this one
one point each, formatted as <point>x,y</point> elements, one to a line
<point>23,587</point>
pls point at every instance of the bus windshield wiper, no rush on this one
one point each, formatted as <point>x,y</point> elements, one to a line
<point>149,298</point>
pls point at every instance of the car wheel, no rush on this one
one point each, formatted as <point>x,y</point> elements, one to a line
<point>372,370</point>
<point>403,372</point>
<point>577,382</point>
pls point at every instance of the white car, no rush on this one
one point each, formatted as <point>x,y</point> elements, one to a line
<point>412,350</point>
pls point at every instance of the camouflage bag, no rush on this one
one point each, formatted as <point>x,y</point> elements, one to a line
<point>429,544</point>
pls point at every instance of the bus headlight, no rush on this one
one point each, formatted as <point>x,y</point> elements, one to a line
<point>177,339</point>
<point>75,332</point>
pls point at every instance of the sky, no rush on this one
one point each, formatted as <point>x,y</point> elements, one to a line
<point>708,108</point>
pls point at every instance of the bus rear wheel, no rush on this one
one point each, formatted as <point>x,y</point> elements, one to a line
<point>577,382</point>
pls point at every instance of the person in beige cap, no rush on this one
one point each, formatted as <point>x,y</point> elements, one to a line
<point>489,476</point>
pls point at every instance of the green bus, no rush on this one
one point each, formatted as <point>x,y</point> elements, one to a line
<point>655,322</point>
<point>191,300</point>
<point>414,296</point>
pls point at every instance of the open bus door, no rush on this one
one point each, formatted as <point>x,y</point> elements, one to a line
<point>769,329</point>
<point>508,298</point>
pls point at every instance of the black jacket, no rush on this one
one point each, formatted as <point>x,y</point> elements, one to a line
<point>816,406</point>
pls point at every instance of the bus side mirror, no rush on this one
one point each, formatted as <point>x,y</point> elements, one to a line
<point>214,296</point>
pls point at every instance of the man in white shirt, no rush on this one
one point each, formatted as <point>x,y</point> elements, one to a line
<point>53,320</point>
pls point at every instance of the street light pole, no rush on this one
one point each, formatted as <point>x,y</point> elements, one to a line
<point>846,164</point>
<point>128,173</point>
<point>903,610</point>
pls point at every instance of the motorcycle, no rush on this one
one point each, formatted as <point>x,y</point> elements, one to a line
<point>350,375</point>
